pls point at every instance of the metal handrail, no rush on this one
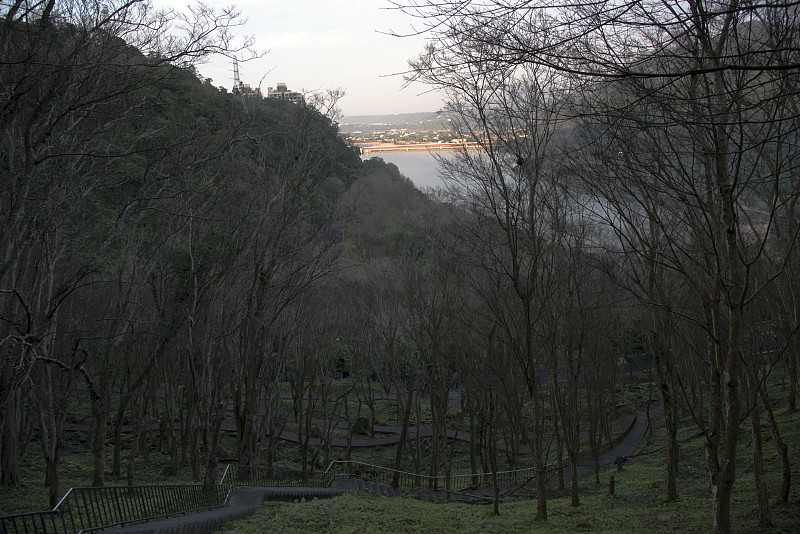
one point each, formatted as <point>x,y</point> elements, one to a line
<point>278,476</point>
<point>409,480</point>
<point>284,476</point>
<point>230,484</point>
<point>458,481</point>
<point>431,477</point>
<point>80,510</point>
<point>91,509</point>
<point>64,498</point>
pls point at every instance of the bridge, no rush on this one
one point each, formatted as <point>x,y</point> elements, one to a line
<point>416,146</point>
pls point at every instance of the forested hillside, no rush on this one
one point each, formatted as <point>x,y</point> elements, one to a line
<point>160,237</point>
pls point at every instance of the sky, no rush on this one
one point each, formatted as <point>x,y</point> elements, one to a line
<point>316,45</point>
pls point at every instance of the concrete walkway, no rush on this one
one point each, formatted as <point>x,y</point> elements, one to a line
<point>245,501</point>
<point>392,435</point>
<point>201,523</point>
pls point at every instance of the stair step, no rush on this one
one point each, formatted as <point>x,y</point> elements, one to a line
<point>247,497</point>
<point>348,484</point>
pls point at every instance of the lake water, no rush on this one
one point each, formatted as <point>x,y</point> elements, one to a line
<point>418,165</point>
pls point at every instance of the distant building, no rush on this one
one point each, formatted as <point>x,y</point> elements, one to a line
<point>283,93</point>
<point>246,90</point>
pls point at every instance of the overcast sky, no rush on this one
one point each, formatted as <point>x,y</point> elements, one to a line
<point>313,45</point>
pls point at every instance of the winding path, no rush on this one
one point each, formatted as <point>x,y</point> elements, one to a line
<point>247,500</point>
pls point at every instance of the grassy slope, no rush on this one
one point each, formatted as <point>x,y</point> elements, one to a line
<point>637,506</point>
<point>76,471</point>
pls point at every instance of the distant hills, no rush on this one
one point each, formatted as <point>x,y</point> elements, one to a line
<point>425,126</point>
<point>398,119</point>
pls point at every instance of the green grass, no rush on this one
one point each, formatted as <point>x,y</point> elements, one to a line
<point>637,505</point>
<point>76,471</point>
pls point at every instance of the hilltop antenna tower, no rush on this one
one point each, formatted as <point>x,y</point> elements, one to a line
<point>237,82</point>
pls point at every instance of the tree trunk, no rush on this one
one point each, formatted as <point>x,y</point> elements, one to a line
<point>193,442</point>
<point>493,455</point>
<point>671,424</point>
<point>536,446</point>
<point>116,462</point>
<point>557,430</point>
<point>473,461</point>
<point>764,519</point>
<point>403,436</point>
<point>780,446</point>
<point>9,458</point>
<point>99,443</point>
<point>136,434</point>
<point>243,417</point>
<point>52,477</point>
<point>791,364</point>
<point>417,449</point>
<point>595,433</point>
<point>573,474</point>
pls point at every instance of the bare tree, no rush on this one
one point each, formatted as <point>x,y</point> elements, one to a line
<point>77,75</point>
<point>701,81</point>
<point>512,115</point>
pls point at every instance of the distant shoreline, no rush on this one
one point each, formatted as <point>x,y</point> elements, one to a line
<point>368,149</point>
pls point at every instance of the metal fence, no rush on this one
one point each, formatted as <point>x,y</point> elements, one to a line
<point>99,508</point>
<point>458,482</point>
<point>95,509</point>
<point>278,476</point>
<point>283,476</point>
<point>414,481</point>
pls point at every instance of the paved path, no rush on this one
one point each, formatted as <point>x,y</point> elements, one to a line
<point>202,523</point>
<point>246,501</point>
<point>393,435</point>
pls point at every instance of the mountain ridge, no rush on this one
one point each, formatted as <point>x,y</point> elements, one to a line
<point>394,118</point>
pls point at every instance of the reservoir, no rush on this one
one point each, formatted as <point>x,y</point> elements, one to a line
<point>418,165</point>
